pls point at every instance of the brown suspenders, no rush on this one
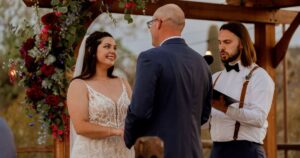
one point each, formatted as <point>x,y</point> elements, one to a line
<point>242,98</point>
<point>209,125</point>
<point>243,94</point>
<point>216,80</point>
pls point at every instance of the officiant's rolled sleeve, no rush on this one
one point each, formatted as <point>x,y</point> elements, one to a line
<point>256,112</point>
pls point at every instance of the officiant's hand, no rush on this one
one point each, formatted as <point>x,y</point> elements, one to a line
<point>219,104</point>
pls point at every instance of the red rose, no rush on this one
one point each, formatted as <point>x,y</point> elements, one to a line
<point>52,100</point>
<point>30,63</point>
<point>45,29</point>
<point>42,44</point>
<point>27,45</point>
<point>65,118</point>
<point>54,135</point>
<point>44,36</point>
<point>34,93</point>
<point>60,132</point>
<point>50,19</point>
<point>54,129</point>
<point>58,13</point>
<point>47,70</point>
<point>130,5</point>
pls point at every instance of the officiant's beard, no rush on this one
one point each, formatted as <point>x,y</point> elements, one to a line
<point>231,58</point>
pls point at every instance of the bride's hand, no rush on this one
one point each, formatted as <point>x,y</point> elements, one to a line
<point>122,134</point>
<point>117,132</point>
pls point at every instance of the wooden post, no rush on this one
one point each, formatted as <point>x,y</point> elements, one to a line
<point>264,42</point>
<point>67,146</point>
<point>62,148</point>
<point>59,150</point>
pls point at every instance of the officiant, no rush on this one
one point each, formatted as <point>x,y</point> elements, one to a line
<point>238,129</point>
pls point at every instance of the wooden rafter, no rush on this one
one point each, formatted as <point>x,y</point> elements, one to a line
<point>41,3</point>
<point>209,11</point>
<point>281,47</point>
<point>276,3</point>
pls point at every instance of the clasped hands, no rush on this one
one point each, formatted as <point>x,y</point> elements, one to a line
<point>219,104</point>
<point>116,132</point>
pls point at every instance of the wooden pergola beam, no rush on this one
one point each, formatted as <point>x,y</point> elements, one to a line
<point>282,45</point>
<point>209,11</point>
<point>220,12</point>
<point>41,3</point>
<point>275,4</point>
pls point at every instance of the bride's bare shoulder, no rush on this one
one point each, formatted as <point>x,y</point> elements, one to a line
<point>77,84</point>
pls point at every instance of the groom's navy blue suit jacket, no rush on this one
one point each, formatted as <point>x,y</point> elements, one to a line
<point>171,99</point>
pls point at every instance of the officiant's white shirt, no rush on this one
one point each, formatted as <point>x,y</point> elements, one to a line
<point>253,116</point>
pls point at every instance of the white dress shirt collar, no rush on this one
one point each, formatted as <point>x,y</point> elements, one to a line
<point>169,38</point>
<point>242,67</point>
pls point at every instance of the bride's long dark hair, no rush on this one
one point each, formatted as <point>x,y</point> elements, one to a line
<point>90,56</point>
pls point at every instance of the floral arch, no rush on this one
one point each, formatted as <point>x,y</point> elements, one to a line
<point>46,58</point>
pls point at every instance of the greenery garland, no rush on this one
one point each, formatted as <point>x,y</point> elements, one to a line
<point>47,57</point>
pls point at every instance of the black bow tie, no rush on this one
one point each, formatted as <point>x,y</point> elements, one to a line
<point>232,67</point>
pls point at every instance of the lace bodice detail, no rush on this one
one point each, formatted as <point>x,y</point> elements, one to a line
<point>105,112</point>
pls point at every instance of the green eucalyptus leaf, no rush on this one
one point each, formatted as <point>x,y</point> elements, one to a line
<point>63,9</point>
<point>46,84</point>
<point>54,2</point>
<point>128,18</point>
<point>122,4</point>
<point>49,59</point>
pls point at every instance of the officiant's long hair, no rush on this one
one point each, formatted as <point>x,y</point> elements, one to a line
<point>248,53</point>
<point>90,59</point>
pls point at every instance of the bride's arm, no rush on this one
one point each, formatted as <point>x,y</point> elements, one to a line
<point>77,101</point>
<point>128,88</point>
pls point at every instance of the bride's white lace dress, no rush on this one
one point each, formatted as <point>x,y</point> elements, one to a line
<point>105,112</point>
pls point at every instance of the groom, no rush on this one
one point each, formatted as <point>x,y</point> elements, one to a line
<point>173,90</point>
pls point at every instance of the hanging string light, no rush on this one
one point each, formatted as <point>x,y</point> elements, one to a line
<point>12,73</point>
<point>208,57</point>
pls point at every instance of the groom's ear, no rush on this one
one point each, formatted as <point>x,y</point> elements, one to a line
<point>159,24</point>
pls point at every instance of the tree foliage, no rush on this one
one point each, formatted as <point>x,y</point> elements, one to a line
<point>12,16</point>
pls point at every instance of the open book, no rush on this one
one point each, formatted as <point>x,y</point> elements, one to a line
<point>228,100</point>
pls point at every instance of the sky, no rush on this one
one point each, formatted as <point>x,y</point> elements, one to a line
<point>195,33</point>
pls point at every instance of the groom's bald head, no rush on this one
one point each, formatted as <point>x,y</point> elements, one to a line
<point>167,21</point>
<point>171,14</point>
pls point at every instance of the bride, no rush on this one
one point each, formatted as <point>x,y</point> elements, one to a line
<point>97,101</point>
